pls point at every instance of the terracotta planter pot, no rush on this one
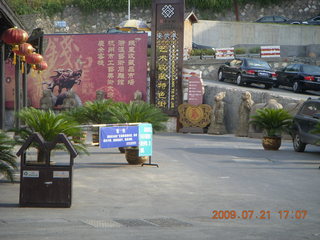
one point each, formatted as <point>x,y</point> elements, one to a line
<point>271,143</point>
<point>95,138</point>
<point>132,156</point>
<point>122,149</point>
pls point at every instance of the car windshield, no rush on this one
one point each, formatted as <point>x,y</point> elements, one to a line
<point>257,63</point>
<point>309,69</point>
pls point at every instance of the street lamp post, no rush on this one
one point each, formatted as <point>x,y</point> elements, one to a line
<point>128,9</point>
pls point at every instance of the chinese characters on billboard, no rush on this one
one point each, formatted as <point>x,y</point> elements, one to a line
<point>86,63</point>
<point>168,56</point>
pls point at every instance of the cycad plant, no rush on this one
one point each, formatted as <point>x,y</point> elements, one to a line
<point>134,112</point>
<point>49,125</point>
<point>97,112</point>
<point>7,159</point>
<point>272,121</point>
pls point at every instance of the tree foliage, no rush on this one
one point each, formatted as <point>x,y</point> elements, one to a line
<point>53,6</point>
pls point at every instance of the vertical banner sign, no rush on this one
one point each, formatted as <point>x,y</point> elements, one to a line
<point>145,139</point>
<point>167,54</point>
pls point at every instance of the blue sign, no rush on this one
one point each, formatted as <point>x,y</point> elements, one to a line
<point>60,24</point>
<point>120,136</point>
<point>145,139</point>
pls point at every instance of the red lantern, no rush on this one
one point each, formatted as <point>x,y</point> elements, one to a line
<point>23,50</point>
<point>41,66</point>
<point>34,58</point>
<point>15,36</point>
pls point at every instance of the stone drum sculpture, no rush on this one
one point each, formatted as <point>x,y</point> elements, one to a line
<point>244,114</point>
<point>217,125</point>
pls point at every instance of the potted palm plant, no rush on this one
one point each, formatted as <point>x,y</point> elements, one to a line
<point>49,125</point>
<point>97,112</point>
<point>137,112</point>
<point>7,159</point>
<point>273,122</point>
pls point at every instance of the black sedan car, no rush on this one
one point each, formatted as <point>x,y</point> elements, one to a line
<point>277,19</point>
<point>304,122</point>
<point>247,71</point>
<point>300,77</point>
<point>312,21</point>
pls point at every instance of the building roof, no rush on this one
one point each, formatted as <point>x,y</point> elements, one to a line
<point>8,18</point>
<point>191,17</point>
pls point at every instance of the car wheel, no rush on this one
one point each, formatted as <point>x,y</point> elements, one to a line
<point>296,87</point>
<point>268,86</point>
<point>298,145</point>
<point>239,80</point>
<point>275,85</point>
<point>220,76</point>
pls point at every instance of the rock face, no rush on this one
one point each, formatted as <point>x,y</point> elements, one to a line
<point>101,21</point>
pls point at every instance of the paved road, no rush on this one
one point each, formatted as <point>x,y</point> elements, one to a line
<point>198,174</point>
<point>282,90</point>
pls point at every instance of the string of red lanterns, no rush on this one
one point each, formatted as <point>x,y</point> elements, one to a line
<point>17,38</point>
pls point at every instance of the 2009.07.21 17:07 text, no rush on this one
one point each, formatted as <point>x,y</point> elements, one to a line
<point>259,214</point>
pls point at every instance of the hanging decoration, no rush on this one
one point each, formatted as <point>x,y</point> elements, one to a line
<point>14,37</point>
<point>34,58</point>
<point>23,50</point>
<point>40,66</point>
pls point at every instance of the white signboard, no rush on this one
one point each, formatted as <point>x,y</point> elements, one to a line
<point>61,174</point>
<point>224,53</point>
<point>270,51</point>
<point>30,174</point>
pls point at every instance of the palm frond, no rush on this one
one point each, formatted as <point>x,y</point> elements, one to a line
<point>273,121</point>
<point>7,159</point>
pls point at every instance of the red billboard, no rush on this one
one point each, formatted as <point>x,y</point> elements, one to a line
<point>86,63</point>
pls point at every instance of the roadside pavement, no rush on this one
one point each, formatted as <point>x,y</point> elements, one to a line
<point>206,187</point>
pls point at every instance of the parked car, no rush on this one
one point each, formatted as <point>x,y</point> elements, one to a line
<point>277,19</point>
<point>247,71</point>
<point>300,77</point>
<point>312,21</point>
<point>199,46</point>
<point>304,122</point>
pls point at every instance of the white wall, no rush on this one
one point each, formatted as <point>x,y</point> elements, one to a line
<point>225,34</point>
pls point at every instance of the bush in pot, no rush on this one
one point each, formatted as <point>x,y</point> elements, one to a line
<point>7,159</point>
<point>137,112</point>
<point>273,122</point>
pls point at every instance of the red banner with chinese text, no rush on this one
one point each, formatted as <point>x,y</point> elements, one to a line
<point>86,63</point>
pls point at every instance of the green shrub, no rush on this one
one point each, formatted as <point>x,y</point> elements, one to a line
<point>139,112</point>
<point>7,158</point>
<point>239,51</point>
<point>255,50</point>
<point>272,121</point>
<point>199,52</point>
<point>49,125</point>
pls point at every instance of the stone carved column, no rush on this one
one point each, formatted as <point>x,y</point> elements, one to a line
<point>217,125</point>
<point>244,114</point>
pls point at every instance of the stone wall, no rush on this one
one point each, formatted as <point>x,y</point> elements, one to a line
<point>100,21</point>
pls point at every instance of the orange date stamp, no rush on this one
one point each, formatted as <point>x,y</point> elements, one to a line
<point>259,214</point>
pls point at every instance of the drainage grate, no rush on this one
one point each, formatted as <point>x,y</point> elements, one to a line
<point>102,223</point>
<point>134,223</point>
<point>168,222</point>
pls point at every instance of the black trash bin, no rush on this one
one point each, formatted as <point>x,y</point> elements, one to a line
<point>46,184</point>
